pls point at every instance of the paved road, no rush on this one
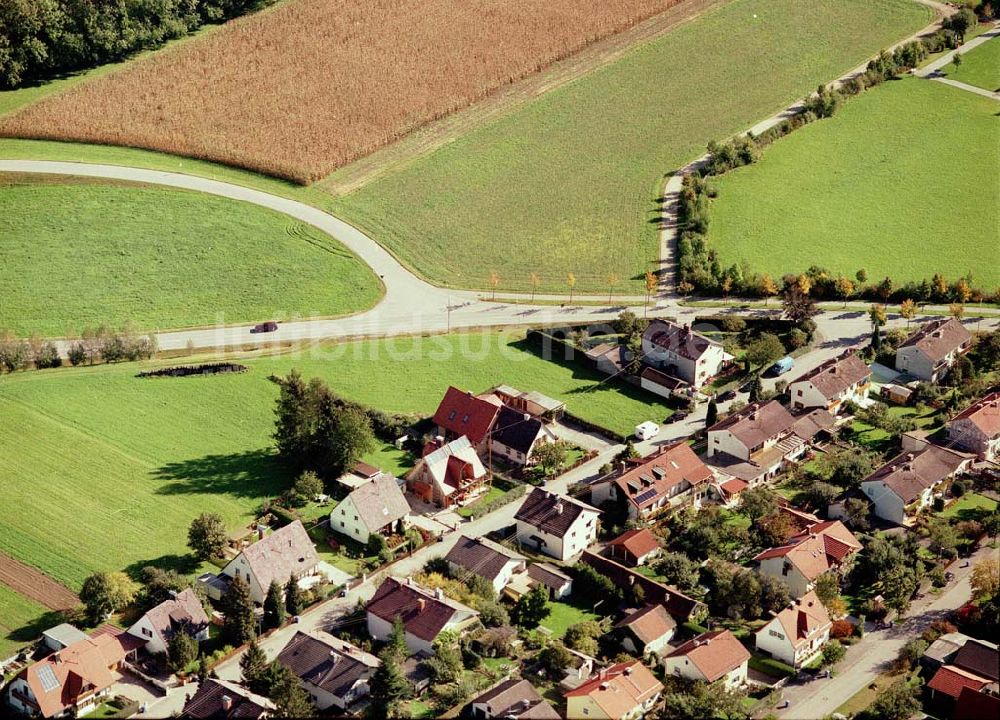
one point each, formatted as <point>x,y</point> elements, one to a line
<point>933,69</point>
<point>876,651</point>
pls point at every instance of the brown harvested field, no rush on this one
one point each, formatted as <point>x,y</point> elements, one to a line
<point>308,86</point>
<point>35,585</point>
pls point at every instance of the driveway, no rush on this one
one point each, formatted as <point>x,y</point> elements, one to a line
<point>876,651</point>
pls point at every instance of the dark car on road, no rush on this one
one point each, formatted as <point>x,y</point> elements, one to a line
<point>678,416</point>
<point>728,395</point>
<point>264,327</point>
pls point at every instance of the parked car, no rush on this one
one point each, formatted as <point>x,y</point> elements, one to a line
<point>264,327</point>
<point>728,395</point>
<point>678,416</point>
<point>781,367</point>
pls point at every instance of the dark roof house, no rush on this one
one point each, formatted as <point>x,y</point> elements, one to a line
<point>336,667</point>
<point>223,699</point>
<point>513,699</point>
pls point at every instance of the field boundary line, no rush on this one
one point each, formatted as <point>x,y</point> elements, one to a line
<point>31,583</point>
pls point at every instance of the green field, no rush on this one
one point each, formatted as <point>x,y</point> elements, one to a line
<point>569,182</point>
<point>903,181</point>
<point>969,506</point>
<point>81,253</point>
<point>121,464</point>
<point>21,621</point>
<point>980,66</point>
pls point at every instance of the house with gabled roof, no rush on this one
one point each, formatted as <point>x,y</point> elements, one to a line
<point>425,614</point>
<point>976,705</point>
<point>335,673</point>
<point>758,442</point>
<point>71,681</point>
<point>558,584</point>
<point>798,633</point>
<point>555,525</point>
<point>831,384</point>
<point>668,478</point>
<point>516,434</point>
<point>532,402</point>
<point>824,547</point>
<point>512,699</point>
<point>376,507</point>
<point>464,414</point>
<point>646,630</point>
<point>634,547</point>
<point>933,348</point>
<point>286,553</point>
<point>908,482</point>
<point>183,612</point>
<point>679,352</point>
<point>715,656</point>
<point>217,698</point>
<point>448,474</point>
<point>621,692</point>
<point>977,428</point>
<point>485,558</point>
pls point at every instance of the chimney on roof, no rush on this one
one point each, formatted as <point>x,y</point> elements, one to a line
<point>173,594</point>
<point>604,685</point>
<point>627,671</point>
<point>334,656</point>
<point>421,604</point>
<point>439,593</point>
<point>260,532</point>
<point>409,581</point>
<point>909,456</point>
<point>55,658</point>
<point>527,416</point>
<point>602,673</point>
<point>559,508</point>
<point>227,703</point>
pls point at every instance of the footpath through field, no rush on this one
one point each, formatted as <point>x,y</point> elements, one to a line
<point>932,71</point>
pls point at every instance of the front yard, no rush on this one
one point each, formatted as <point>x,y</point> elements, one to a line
<point>969,507</point>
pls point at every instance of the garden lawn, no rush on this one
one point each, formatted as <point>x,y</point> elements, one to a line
<point>122,464</point>
<point>569,182</point>
<point>902,181</point>
<point>21,621</point>
<point>80,253</point>
<point>492,494</point>
<point>970,504</point>
<point>980,66</point>
<point>563,615</point>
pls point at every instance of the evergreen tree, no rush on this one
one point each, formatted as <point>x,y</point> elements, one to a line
<point>290,700</point>
<point>712,413</point>
<point>240,625</point>
<point>389,687</point>
<point>181,650</point>
<point>532,608</point>
<point>296,419</point>
<point>294,602</point>
<point>397,640</point>
<point>254,667</point>
<point>274,605</point>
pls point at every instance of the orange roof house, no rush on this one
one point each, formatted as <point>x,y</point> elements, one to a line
<point>710,657</point>
<point>625,690</point>
<point>797,634</point>
<point>821,548</point>
<point>634,547</point>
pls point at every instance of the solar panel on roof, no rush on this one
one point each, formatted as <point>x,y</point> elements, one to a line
<point>48,678</point>
<point>651,493</point>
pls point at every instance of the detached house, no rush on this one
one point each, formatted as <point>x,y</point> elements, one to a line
<point>335,673</point>
<point>824,547</point>
<point>929,352</point>
<point>797,634</point>
<point>555,524</point>
<point>670,477</point>
<point>831,384</point>
<point>448,474</point>
<point>634,547</point>
<point>517,434</point>
<point>972,669</point>
<point>681,353</point>
<point>425,614</point>
<point>620,692</point>
<point>647,630</point>
<point>72,681</point>
<point>755,444</point>
<point>908,482</point>
<point>715,656</point>
<point>977,428</point>
<point>285,553</point>
<point>181,613</point>
<point>487,559</point>
<point>512,699</point>
<point>463,414</point>
<point>376,507</point>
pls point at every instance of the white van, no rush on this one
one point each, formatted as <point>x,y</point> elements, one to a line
<point>646,430</point>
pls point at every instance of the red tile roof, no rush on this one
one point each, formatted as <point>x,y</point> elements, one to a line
<point>649,623</point>
<point>817,550</point>
<point>637,543</point>
<point>973,705</point>
<point>423,612</point>
<point>950,680</point>
<point>984,414</point>
<point>58,680</point>
<point>714,653</point>
<point>805,619</point>
<point>654,477</point>
<point>462,413</point>
<point>619,689</point>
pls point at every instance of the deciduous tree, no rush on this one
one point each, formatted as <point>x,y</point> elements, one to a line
<point>531,608</point>
<point>104,593</point>
<point>207,536</point>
